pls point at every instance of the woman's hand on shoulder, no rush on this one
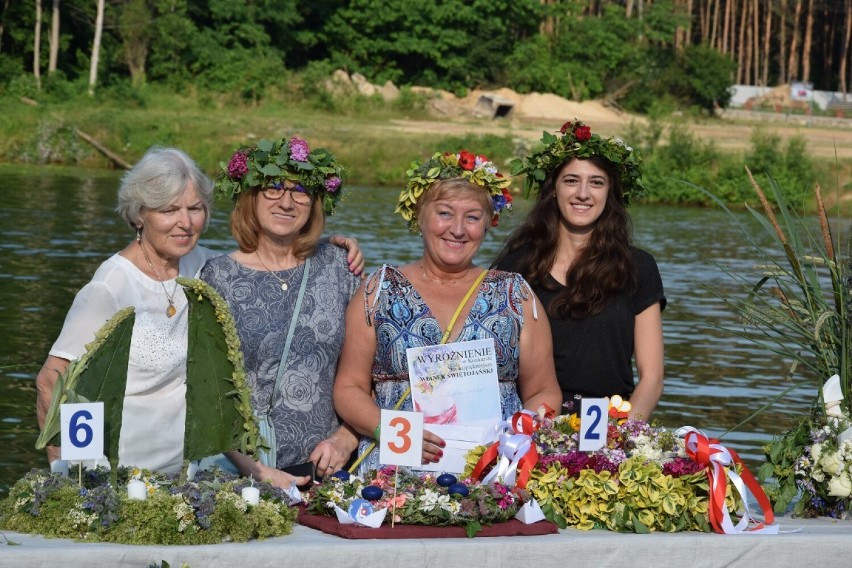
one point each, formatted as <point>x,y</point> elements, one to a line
<point>354,256</point>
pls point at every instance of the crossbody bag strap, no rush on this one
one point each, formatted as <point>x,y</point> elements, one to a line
<point>282,366</point>
<point>474,286</point>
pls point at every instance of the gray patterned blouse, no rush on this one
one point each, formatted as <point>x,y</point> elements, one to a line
<point>303,411</point>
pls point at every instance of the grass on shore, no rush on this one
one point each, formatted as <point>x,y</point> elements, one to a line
<point>375,139</point>
<point>361,132</point>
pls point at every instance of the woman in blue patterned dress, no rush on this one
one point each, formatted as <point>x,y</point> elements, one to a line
<point>283,191</point>
<point>451,199</point>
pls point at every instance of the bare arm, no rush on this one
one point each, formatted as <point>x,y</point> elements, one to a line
<point>648,346</point>
<point>45,382</point>
<point>537,383</point>
<point>255,469</point>
<point>353,398</point>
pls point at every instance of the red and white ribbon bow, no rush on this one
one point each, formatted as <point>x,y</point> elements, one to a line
<point>514,451</point>
<point>720,463</point>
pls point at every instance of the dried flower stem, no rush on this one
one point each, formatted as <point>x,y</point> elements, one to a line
<point>778,293</point>
<point>823,224</point>
<point>767,207</point>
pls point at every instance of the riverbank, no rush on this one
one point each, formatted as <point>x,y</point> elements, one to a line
<point>377,139</point>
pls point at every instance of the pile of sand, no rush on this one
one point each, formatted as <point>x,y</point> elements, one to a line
<point>550,106</point>
<point>533,106</point>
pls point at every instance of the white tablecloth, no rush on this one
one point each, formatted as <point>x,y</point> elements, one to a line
<point>821,542</point>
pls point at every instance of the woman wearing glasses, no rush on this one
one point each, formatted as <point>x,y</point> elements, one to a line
<point>288,294</point>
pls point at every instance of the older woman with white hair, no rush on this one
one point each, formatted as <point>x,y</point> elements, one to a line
<point>166,199</point>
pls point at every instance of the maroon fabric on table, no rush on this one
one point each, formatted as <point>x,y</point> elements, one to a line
<point>330,525</point>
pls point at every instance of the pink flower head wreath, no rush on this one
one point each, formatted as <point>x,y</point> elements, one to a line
<point>269,163</point>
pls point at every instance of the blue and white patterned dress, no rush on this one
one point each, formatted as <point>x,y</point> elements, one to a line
<point>403,320</point>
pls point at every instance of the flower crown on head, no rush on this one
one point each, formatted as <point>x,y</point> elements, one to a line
<point>268,164</point>
<point>478,170</point>
<point>577,141</point>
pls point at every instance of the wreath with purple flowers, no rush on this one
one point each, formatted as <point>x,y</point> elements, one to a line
<point>269,163</point>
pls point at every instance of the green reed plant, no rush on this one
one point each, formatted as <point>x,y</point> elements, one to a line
<point>797,304</point>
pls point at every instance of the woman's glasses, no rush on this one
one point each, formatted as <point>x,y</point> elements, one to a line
<point>297,193</point>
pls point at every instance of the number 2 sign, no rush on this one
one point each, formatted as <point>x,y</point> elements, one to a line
<point>401,440</point>
<point>593,423</point>
<point>82,427</point>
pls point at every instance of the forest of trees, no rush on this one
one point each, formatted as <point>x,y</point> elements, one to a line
<point>636,53</point>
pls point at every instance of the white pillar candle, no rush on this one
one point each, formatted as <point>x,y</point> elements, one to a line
<point>136,490</point>
<point>60,467</point>
<point>251,495</point>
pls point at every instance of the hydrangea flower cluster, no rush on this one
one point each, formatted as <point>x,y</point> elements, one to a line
<point>269,163</point>
<point>824,471</point>
<point>578,141</point>
<point>477,169</point>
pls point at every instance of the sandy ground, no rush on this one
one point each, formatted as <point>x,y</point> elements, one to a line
<point>827,138</point>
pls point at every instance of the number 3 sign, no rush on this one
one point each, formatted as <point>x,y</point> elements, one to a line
<point>401,438</point>
<point>82,431</point>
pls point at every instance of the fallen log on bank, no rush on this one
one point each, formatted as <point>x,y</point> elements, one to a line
<point>112,156</point>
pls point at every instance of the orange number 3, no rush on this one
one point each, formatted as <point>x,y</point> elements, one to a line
<point>404,426</point>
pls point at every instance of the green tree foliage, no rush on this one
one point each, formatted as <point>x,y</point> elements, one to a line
<point>705,77</point>
<point>134,28</point>
<point>450,44</point>
<point>533,66</point>
<point>602,55</point>
<point>574,48</point>
<point>172,36</point>
<point>686,158</point>
<point>597,50</point>
<point>240,46</point>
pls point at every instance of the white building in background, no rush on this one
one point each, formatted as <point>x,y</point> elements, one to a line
<point>820,99</point>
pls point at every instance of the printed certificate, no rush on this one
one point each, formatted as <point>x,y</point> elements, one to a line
<point>455,386</point>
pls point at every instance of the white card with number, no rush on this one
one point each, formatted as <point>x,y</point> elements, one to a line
<point>401,440</point>
<point>82,431</point>
<point>594,417</point>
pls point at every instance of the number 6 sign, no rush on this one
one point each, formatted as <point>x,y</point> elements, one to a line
<point>401,440</point>
<point>82,431</point>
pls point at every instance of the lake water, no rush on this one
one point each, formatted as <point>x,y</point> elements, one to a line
<point>58,226</point>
